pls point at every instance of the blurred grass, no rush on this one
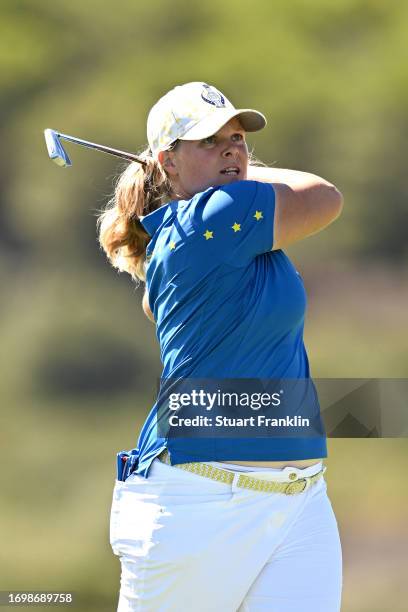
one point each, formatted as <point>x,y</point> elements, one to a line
<point>60,446</point>
<point>56,501</point>
<point>357,319</point>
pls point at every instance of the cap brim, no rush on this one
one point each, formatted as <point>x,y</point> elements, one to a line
<point>251,121</point>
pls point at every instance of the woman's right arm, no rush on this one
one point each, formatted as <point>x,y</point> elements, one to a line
<point>304,203</point>
<point>146,307</point>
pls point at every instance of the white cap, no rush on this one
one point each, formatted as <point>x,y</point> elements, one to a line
<point>194,111</point>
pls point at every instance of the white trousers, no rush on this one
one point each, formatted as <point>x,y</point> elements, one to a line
<point>190,544</point>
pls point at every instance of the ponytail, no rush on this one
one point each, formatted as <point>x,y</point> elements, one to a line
<point>139,190</point>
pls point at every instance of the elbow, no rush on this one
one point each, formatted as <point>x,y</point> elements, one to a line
<point>334,201</point>
<point>338,202</point>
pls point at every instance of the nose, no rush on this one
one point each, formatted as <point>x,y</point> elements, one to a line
<point>232,150</point>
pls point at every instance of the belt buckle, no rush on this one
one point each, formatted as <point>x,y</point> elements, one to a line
<point>296,487</point>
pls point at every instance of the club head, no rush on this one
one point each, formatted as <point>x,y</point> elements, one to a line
<point>55,149</point>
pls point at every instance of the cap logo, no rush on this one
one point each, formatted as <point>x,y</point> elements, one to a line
<point>212,96</point>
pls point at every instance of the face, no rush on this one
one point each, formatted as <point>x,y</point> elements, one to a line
<point>196,165</point>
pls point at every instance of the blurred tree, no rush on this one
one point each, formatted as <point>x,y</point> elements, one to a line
<point>329,76</point>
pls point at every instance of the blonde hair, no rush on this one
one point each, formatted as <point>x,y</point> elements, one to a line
<point>139,190</point>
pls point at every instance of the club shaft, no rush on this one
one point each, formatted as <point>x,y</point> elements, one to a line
<point>110,150</point>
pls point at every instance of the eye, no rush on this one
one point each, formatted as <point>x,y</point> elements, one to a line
<point>209,140</point>
<point>237,137</point>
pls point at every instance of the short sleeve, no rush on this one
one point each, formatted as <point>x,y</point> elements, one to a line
<point>235,222</point>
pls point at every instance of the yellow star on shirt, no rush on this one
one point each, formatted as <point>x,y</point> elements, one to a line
<point>236,227</point>
<point>208,234</point>
<point>172,245</point>
<point>258,215</point>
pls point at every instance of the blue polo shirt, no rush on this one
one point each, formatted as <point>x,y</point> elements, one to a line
<point>225,306</point>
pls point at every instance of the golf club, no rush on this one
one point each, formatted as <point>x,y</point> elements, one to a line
<point>58,154</point>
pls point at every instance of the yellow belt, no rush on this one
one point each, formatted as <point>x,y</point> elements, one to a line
<point>244,481</point>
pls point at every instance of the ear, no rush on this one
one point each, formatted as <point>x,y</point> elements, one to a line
<point>167,161</point>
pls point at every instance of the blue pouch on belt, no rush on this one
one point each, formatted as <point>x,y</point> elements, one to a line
<point>126,463</point>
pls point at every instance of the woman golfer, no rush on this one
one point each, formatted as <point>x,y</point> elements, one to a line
<point>204,522</point>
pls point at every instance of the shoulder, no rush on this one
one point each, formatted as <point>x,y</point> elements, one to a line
<point>236,189</point>
<point>239,196</point>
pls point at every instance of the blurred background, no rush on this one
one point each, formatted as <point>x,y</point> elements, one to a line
<point>79,361</point>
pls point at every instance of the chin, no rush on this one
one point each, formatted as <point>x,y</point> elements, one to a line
<point>226,180</point>
<point>220,180</point>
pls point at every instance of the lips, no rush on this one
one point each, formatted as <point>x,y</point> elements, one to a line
<point>231,171</point>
